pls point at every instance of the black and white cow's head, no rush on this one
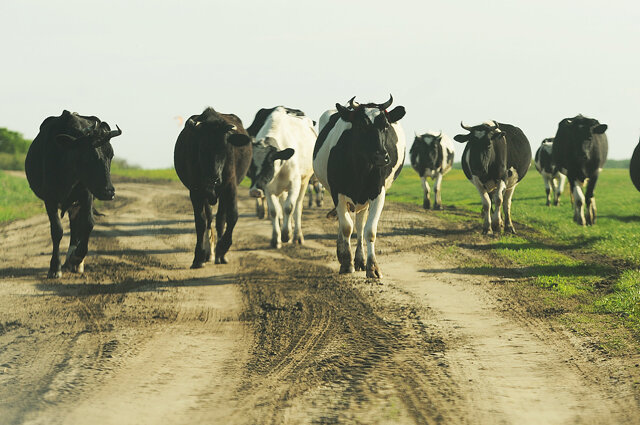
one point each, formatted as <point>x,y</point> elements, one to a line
<point>426,152</point>
<point>213,135</point>
<point>580,134</point>
<point>267,161</point>
<point>486,145</point>
<point>371,129</point>
<point>87,140</point>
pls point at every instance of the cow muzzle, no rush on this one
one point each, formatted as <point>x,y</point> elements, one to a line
<point>106,195</point>
<point>254,192</point>
<point>382,160</point>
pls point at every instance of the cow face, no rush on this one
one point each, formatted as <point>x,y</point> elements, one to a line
<point>213,135</point>
<point>425,151</point>
<point>371,129</point>
<point>480,136</point>
<point>578,132</point>
<point>267,161</point>
<point>88,140</point>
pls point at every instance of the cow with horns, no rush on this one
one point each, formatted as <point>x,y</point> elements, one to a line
<point>579,151</point>
<point>497,156</point>
<point>358,154</point>
<point>554,180</point>
<point>432,156</point>
<point>211,157</point>
<point>68,163</point>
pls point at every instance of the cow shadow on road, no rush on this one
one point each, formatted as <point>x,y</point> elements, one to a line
<point>622,218</point>
<point>17,272</point>
<point>516,246</point>
<point>62,289</point>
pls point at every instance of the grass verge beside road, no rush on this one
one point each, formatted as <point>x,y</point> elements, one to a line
<point>586,275</point>
<point>16,198</point>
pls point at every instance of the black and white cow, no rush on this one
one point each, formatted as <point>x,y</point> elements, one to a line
<point>359,153</point>
<point>497,156</point>
<point>68,163</point>
<point>282,162</point>
<point>634,167</point>
<point>211,157</point>
<point>432,156</point>
<point>554,180</point>
<point>579,151</point>
<point>315,189</point>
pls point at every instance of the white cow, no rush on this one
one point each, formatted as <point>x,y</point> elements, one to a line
<point>554,180</point>
<point>282,162</point>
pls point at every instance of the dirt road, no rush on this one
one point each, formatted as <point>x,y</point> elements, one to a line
<point>279,336</point>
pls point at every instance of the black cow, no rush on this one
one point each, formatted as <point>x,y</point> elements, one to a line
<point>358,154</point>
<point>211,157</point>
<point>432,156</point>
<point>634,167</point>
<point>580,151</point>
<point>68,163</point>
<point>554,180</point>
<point>497,156</point>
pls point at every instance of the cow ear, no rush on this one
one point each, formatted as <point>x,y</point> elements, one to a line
<point>284,154</point>
<point>237,139</point>
<point>396,114</point>
<point>600,128</point>
<point>67,141</point>
<point>345,113</point>
<point>497,135</point>
<point>461,138</point>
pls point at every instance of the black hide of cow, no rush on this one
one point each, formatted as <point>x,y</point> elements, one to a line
<point>544,158</point>
<point>634,167</point>
<point>211,157</point>
<point>365,154</point>
<point>68,163</point>
<point>491,159</point>
<point>579,151</point>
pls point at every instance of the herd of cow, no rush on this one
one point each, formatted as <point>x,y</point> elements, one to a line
<point>356,155</point>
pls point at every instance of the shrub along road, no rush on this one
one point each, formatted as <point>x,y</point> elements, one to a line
<point>280,337</point>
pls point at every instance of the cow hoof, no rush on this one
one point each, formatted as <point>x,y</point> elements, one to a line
<point>511,230</point>
<point>54,274</point>
<point>487,232</point>
<point>359,264</point>
<point>276,244</point>
<point>346,269</point>
<point>373,271</point>
<point>298,240</point>
<point>426,204</point>
<point>438,207</point>
<point>197,265</point>
<point>221,260</point>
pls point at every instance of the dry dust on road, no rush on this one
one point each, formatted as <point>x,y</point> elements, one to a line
<point>277,336</point>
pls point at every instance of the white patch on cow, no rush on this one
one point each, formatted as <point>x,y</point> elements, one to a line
<point>479,134</point>
<point>547,147</point>
<point>372,113</point>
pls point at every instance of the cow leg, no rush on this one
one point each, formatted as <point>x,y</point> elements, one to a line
<point>508,195</point>
<point>210,237</point>
<point>229,204</point>
<point>547,187</point>
<point>437,194</point>
<point>578,206</point>
<point>370,232</point>
<point>360,220</point>
<point>56,236</point>
<point>560,188</point>
<point>295,190</point>
<point>310,194</point>
<point>81,223</point>
<point>497,224</point>
<point>591,200</point>
<point>426,202</point>
<point>275,214</point>
<point>260,209</point>
<point>297,213</point>
<point>345,224</point>
<point>319,193</point>
<point>486,206</point>
<point>200,218</point>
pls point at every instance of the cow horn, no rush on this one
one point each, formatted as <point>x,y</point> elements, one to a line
<point>115,133</point>
<point>439,135</point>
<point>465,127</point>
<point>386,104</point>
<point>494,126</point>
<point>192,123</point>
<point>352,103</point>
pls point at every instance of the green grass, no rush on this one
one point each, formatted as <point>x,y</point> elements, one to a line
<point>594,264</point>
<point>16,199</point>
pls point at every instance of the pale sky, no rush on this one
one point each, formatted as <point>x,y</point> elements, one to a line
<point>142,64</point>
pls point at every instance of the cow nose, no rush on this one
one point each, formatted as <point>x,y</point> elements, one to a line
<point>387,159</point>
<point>256,193</point>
